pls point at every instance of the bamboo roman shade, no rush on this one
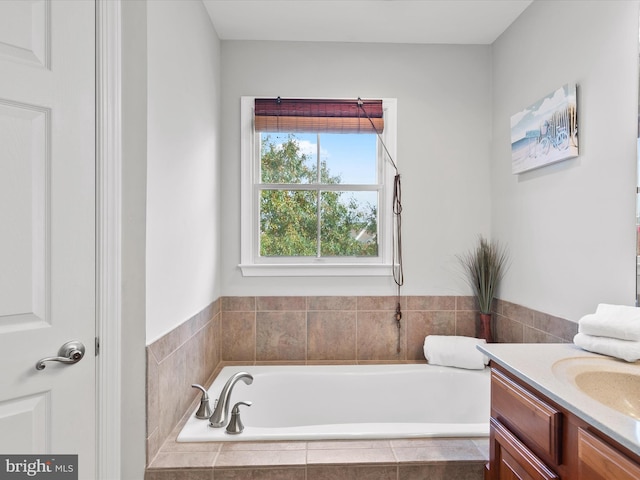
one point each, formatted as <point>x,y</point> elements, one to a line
<point>309,115</point>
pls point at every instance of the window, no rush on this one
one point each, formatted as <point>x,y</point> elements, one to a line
<point>315,202</point>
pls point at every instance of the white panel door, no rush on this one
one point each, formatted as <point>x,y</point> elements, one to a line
<point>47,227</point>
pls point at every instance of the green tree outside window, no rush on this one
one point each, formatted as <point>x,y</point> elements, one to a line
<point>291,224</point>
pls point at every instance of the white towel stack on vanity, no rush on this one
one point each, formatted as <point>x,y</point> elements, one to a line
<point>612,330</point>
<point>455,351</point>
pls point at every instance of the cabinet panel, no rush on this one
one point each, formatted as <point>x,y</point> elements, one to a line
<point>513,460</point>
<point>533,420</point>
<point>598,461</point>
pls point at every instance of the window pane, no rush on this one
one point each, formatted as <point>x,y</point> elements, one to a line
<point>349,157</point>
<point>288,223</point>
<point>349,224</point>
<point>288,158</point>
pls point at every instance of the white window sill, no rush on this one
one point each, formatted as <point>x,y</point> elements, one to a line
<point>324,270</point>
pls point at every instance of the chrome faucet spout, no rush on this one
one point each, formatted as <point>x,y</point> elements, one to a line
<point>220,416</point>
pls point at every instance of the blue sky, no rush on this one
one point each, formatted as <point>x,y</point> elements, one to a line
<point>351,156</point>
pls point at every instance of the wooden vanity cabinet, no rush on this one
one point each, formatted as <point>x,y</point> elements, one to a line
<point>532,438</point>
<point>599,461</point>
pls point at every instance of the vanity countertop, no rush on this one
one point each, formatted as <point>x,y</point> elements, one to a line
<point>539,365</point>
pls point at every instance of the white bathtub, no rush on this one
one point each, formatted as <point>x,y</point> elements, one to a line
<point>352,402</point>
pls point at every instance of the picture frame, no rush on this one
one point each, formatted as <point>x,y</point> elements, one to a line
<point>546,131</point>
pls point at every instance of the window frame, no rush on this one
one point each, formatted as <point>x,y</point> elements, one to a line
<point>253,265</point>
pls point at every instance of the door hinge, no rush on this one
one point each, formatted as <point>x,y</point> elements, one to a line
<point>97,346</point>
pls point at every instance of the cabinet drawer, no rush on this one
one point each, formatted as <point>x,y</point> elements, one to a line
<point>513,460</point>
<point>598,461</point>
<point>533,421</point>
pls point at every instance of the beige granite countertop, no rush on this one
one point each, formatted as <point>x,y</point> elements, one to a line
<point>537,364</point>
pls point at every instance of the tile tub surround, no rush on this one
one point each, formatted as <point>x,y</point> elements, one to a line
<point>514,323</point>
<point>412,459</point>
<point>188,354</point>
<point>340,329</point>
<point>354,329</point>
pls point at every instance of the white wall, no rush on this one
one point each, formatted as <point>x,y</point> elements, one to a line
<point>444,131</point>
<point>183,197</point>
<point>570,226</point>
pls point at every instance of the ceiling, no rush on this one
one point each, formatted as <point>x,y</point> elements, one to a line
<point>377,21</point>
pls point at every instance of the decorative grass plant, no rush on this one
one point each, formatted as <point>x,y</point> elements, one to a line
<point>485,266</point>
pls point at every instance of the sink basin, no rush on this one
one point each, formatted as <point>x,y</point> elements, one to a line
<point>611,382</point>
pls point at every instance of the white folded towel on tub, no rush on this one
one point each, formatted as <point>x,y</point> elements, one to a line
<point>614,321</point>
<point>455,351</point>
<point>624,349</point>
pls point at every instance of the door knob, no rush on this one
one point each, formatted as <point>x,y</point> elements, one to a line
<point>70,352</point>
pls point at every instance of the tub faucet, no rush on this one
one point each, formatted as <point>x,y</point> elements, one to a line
<point>220,415</point>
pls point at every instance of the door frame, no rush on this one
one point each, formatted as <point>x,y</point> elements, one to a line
<point>108,237</point>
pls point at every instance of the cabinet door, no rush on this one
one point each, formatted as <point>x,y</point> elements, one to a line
<point>513,460</point>
<point>599,461</point>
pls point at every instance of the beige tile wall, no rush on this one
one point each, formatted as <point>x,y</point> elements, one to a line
<point>186,355</point>
<point>338,329</point>
<point>341,329</point>
<point>514,323</point>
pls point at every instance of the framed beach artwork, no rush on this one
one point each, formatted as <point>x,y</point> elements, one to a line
<point>545,132</point>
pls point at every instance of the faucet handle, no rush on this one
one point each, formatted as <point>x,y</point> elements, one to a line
<point>236,407</point>
<point>235,425</point>
<point>204,410</point>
